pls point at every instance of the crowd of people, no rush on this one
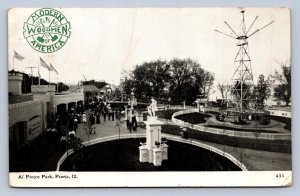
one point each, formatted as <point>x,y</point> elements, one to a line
<point>65,124</point>
<point>104,109</point>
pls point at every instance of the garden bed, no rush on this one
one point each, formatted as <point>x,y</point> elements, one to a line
<point>166,114</point>
<point>193,118</point>
<point>123,155</point>
<point>257,144</point>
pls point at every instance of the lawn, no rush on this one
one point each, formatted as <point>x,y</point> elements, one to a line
<point>257,144</point>
<point>40,155</point>
<point>123,155</point>
<point>194,118</point>
<point>166,114</point>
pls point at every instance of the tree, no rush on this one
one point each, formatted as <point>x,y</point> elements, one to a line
<point>151,78</point>
<point>261,91</point>
<point>99,84</point>
<point>184,79</point>
<point>207,83</point>
<point>128,86</point>
<point>237,90</point>
<point>62,87</point>
<point>224,90</point>
<point>181,78</point>
<point>283,90</point>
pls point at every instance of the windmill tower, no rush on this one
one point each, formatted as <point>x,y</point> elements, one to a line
<point>242,77</point>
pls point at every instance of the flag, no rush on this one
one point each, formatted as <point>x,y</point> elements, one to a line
<point>18,56</point>
<point>52,68</point>
<point>44,64</point>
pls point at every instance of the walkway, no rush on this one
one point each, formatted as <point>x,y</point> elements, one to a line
<point>254,160</point>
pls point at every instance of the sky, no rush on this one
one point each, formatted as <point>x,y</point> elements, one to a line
<point>104,41</point>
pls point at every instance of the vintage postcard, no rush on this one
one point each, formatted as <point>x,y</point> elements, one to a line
<point>149,97</point>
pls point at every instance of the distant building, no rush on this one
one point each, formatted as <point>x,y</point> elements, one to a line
<point>280,111</point>
<point>90,92</point>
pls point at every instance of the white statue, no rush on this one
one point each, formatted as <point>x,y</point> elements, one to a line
<point>152,108</point>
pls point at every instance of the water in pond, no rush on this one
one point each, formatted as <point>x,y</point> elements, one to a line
<point>123,155</point>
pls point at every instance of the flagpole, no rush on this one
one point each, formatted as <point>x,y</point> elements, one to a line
<point>56,84</point>
<point>39,72</point>
<point>31,74</point>
<point>14,62</point>
<point>49,78</point>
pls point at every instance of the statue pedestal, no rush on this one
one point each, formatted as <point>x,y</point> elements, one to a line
<point>144,154</point>
<point>157,157</point>
<point>153,134</point>
<point>164,148</point>
<point>150,156</point>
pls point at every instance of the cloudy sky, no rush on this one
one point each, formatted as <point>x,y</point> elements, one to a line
<point>105,41</point>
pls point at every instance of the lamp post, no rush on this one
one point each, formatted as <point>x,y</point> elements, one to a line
<point>198,100</point>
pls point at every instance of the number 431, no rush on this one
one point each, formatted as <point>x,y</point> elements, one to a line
<point>279,175</point>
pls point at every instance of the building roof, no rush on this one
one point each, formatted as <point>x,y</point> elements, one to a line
<point>90,88</point>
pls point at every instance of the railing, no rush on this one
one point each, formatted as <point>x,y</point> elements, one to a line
<point>243,134</point>
<point>280,113</point>
<point>207,147</point>
<point>168,136</point>
<point>99,140</point>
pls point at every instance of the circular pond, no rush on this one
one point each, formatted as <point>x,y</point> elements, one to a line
<point>123,155</point>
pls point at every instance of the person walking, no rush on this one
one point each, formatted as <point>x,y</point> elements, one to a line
<point>134,121</point>
<point>75,126</point>
<point>109,111</point>
<point>104,112</point>
<point>92,118</point>
<point>98,118</point>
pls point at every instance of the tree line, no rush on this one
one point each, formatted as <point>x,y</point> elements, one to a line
<point>262,90</point>
<point>185,80</point>
<point>99,84</point>
<point>178,79</point>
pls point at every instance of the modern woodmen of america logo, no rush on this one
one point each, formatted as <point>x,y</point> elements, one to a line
<point>47,30</point>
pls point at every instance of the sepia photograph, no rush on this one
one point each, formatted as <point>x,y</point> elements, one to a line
<point>149,97</point>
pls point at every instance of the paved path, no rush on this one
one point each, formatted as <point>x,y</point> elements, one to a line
<point>254,160</point>
<point>104,129</point>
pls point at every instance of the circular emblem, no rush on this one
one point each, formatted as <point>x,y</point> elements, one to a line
<point>47,30</point>
<point>109,91</point>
